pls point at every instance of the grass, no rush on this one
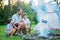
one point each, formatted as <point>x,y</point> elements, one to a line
<point>4,37</point>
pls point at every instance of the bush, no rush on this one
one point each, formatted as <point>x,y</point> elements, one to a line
<point>1,16</point>
<point>4,15</point>
<point>7,13</point>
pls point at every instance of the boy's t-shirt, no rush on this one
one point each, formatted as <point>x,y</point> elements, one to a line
<point>26,21</point>
<point>9,26</point>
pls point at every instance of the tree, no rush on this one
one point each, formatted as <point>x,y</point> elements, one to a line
<point>3,4</point>
<point>26,8</point>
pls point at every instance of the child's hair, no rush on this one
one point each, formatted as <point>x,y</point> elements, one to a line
<point>9,20</point>
<point>24,15</point>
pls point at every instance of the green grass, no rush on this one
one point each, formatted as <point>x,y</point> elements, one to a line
<point>4,37</point>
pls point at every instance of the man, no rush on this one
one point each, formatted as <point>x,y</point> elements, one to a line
<point>17,20</point>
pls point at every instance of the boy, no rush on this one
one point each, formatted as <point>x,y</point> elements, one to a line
<point>26,21</point>
<point>9,28</point>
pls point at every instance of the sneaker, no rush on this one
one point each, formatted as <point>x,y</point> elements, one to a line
<point>11,36</point>
<point>16,34</point>
<point>20,33</point>
<point>28,34</point>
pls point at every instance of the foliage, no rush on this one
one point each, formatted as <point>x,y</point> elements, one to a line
<point>1,16</point>
<point>7,13</point>
<point>27,9</point>
<point>4,14</point>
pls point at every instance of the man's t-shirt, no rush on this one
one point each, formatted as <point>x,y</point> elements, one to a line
<point>16,18</point>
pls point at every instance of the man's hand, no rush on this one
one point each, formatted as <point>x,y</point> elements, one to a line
<point>13,24</point>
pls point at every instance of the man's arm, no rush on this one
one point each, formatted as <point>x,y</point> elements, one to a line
<point>13,20</point>
<point>13,24</point>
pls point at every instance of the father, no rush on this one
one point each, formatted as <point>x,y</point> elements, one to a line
<point>16,18</point>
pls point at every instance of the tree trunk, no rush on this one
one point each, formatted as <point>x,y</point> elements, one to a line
<point>3,4</point>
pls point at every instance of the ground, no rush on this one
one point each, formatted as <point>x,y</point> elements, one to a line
<point>4,37</point>
<point>3,34</point>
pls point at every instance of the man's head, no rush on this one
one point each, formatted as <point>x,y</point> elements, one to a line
<point>20,11</point>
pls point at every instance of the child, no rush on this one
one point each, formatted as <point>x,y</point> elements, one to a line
<point>9,28</point>
<point>26,21</point>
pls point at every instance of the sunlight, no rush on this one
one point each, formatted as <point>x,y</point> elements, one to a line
<point>27,1</point>
<point>35,2</point>
<point>46,1</point>
<point>5,2</point>
<point>21,0</point>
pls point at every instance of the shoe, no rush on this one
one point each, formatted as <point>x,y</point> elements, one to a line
<point>28,34</point>
<point>11,36</point>
<point>20,33</point>
<point>16,34</point>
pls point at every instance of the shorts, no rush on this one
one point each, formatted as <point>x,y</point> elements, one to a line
<point>16,24</point>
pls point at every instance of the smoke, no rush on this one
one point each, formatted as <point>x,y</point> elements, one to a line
<point>42,8</point>
<point>39,7</point>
